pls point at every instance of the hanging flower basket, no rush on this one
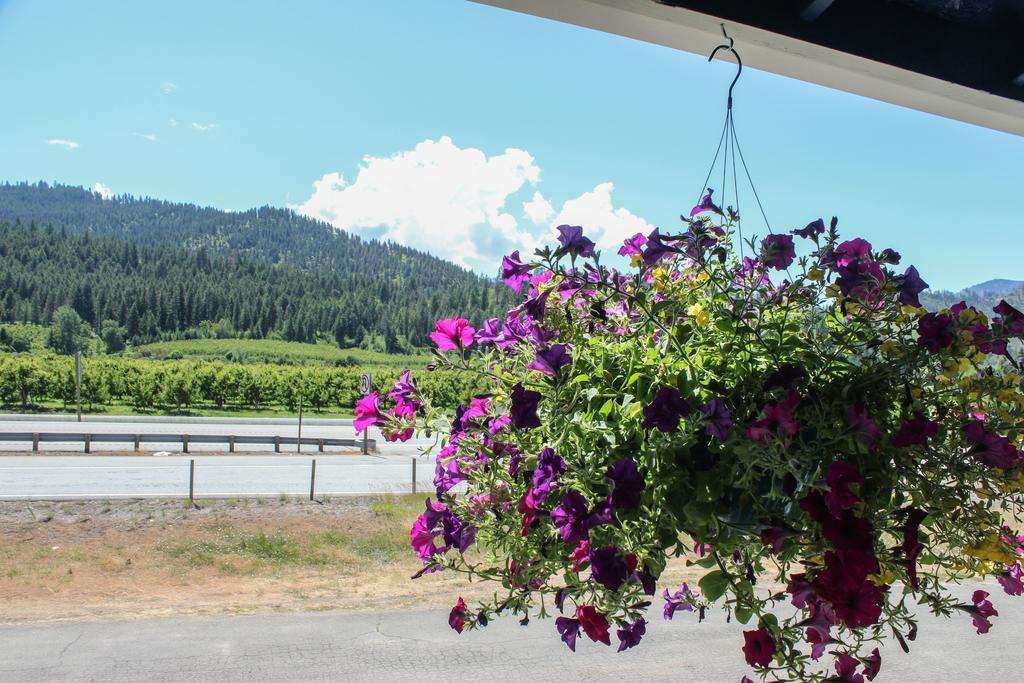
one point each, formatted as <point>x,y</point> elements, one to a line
<point>828,452</point>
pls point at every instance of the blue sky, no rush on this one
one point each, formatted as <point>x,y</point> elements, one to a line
<point>434,123</point>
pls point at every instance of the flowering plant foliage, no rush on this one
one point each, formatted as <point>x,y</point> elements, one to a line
<point>829,453</point>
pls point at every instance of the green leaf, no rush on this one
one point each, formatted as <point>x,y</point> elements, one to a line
<point>580,379</point>
<point>713,585</point>
<point>633,378</point>
<point>607,407</point>
<point>743,613</point>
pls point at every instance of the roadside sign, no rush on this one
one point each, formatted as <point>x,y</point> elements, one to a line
<point>365,383</point>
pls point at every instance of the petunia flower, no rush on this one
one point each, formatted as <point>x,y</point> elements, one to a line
<point>514,272</point>
<point>457,617</point>
<point>1010,580</point>
<point>817,642</point>
<point>706,204</point>
<point>627,484</point>
<point>801,590</point>
<point>568,631</point>
<point>759,647</point>
<point>570,518</point>
<point>872,664</point>
<point>367,412</point>
<point>573,242</point>
<point>777,421</point>
<point>990,449</point>
<point>717,419</point>
<point>915,432</point>
<point>523,410</point>
<point>655,248</point>
<point>1008,317</point>
<point>665,410</point>
<point>579,556</point>
<point>852,250</point>
<point>549,468</point>
<point>981,611</point>
<point>424,530</point>
<point>777,251</point>
<point>839,497</point>
<point>633,246</point>
<point>403,388</point>
<point>813,229</point>
<point>527,507</point>
<point>452,334</point>
<point>775,536</point>
<point>594,624</point>
<point>447,475</point>
<point>608,567</point>
<point>682,599</point>
<point>630,634</point>
<point>846,670</point>
<point>868,430</point>
<point>550,360</point>
<point>911,285</point>
<point>935,332</point>
<point>477,408</point>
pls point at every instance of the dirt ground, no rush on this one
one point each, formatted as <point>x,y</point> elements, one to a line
<point>135,558</point>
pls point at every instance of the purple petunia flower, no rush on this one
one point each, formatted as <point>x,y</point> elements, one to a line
<point>935,332</point>
<point>456,533</point>
<point>846,670</point>
<point>759,647</point>
<point>570,518</point>
<point>608,567</point>
<point>627,484</point>
<point>447,475</point>
<point>573,242</point>
<point>457,617</point>
<point>867,429</point>
<point>665,410</point>
<point>841,475</point>
<point>890,256</point>
<point>1008,317</point>
<point>633,245</point>
<point>872,665</point>
<point>549,360</point>
<point>813,229</point>
<point>915,432</point>
<point>990,449</point>
<point>717,419</point>
<point>777,251</point>
<point>706,204</point>
<point>568,631</point>
<point>490,333</point>
<point>549,468</point>
<point>681,600</point>
<point>1010,580</point>
<point>403,388</point>
<point>981,611</point>
<point>910,286</point>
<point>514,272</point>
<point>655,248</point>
<point>630,634</point>
<point>524,407</point>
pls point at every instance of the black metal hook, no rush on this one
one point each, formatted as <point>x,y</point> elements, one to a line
<point>739,62</point>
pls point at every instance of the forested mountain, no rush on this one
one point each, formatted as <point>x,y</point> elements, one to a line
<point>162,270</point>
<point>982,296</point>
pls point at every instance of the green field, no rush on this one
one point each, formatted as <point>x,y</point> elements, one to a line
<point>273,351</point>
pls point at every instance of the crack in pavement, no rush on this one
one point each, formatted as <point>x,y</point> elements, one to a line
<point>67,647</point>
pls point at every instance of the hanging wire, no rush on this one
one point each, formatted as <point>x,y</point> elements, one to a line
<point>729,145</point>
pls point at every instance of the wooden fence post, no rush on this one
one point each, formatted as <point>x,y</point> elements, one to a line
<point>184,443</point>
<point>312,479</point>
<point>192,481</point>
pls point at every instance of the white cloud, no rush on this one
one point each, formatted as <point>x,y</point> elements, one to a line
<point>538,209</point>
<point>174,123</point>
<point>146,136</point>
<point>67,144</point>
<point>167,88</point>
<point>103,191</point>
<point>602,222</point>
<point>437,197</point>
<point>204,126</point>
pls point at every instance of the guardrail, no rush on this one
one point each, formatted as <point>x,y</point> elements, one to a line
<point>231,440</point>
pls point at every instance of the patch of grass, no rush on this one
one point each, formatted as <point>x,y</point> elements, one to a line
<point>274,351</point>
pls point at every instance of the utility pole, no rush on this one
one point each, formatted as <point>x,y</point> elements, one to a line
<point>78,384</point>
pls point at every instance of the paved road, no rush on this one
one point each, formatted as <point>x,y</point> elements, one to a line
<point>419,646</point>
<point>112,476</point>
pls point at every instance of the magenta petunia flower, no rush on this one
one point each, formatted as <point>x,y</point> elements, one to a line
<point>777,251</point>
<point>550,360</point>
<point>367,412</point>
<point>425,529</point>
<point>990,449</point>
<point>514,272</point>
<point>630,634</point>
<point>665,410</point>
<point>801,590</point>
<point>839,497</point>
<point>457,617</point>
<point>633,245</point>
<point>981,611</point>
<point>846,670</point>
<point>759,647</point>
<point>403,388</point>
<point>775,536</point>
<point>627,484</point>
<point>915,432</point>
<point>477,408</point>
<point>872,664</point>
<point>817,642</point>
<point>579,556</point>
<point>594,624</point>
<point>1010,580</point>
<point>452,334</point>
<point>523,409</point>
<point>777,421</point>
<point>867,429</point>
<point>852,250</point>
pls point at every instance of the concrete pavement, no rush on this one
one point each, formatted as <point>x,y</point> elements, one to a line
<point>419,646</point>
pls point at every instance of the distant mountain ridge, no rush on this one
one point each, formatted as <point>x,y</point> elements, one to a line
<point>982,296</point>
<point>266,271</point>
